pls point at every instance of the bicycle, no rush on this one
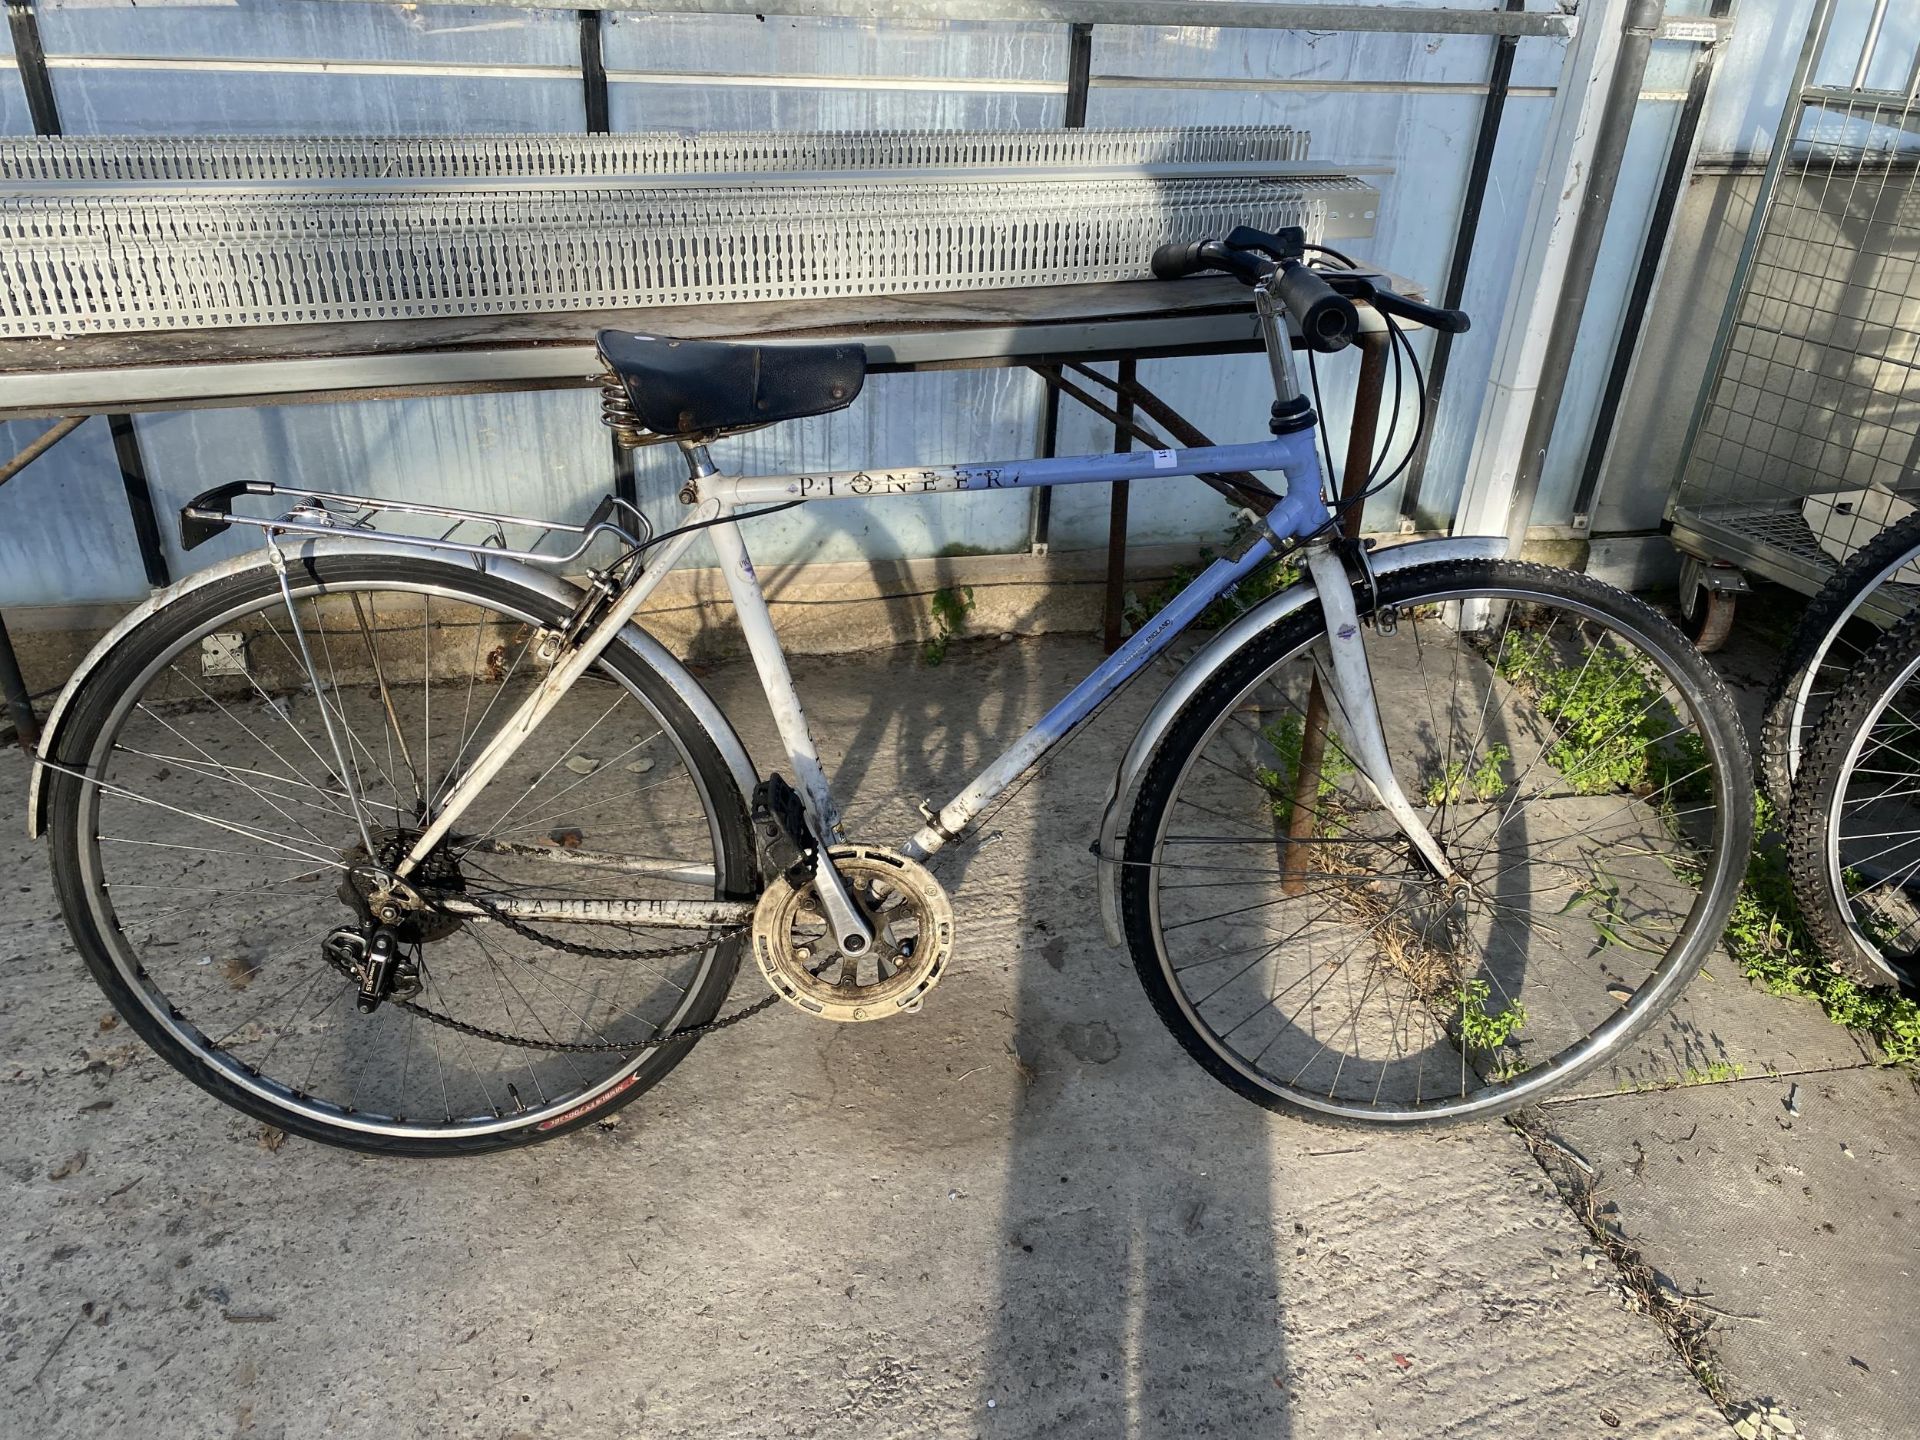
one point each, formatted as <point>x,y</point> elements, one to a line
<point>432,923</point>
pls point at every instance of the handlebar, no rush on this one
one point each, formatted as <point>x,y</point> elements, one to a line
<point>1327,321</point>
<point>1320,302</point>
<point>1175,262</point>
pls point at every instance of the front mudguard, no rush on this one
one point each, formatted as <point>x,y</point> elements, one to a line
<point>1207,661</point>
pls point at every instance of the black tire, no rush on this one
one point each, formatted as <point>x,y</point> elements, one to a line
<point>79,741</point>
<point>1206,712</point>
<point>1793,692</point>
<point>1817,859</point>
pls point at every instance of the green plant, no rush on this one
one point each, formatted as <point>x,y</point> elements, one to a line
<point>1270,579</point>
<point>950,609</point>
<point>1488,1031</point>
<point>1456,782</point>
<point>1768,940</point>
<point>1600,897</point>
<point>1285,735</point>
<point>1714,1072</point>
<point>1594,705</point>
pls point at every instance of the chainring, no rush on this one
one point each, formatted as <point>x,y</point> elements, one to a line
<point>912,939</point>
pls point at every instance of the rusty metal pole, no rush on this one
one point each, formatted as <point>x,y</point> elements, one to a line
<point>26,729</point>
<point>1117,518</point>
<point>1361,436</point>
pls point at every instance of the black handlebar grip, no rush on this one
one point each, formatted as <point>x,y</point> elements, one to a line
<point>1327,321</point>
<point>1172,261</point>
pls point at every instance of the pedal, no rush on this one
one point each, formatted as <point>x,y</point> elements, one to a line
<point>781,837</point>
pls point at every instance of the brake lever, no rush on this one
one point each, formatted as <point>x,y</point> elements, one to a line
<point>1287,243</point>
<point>1368,287</point>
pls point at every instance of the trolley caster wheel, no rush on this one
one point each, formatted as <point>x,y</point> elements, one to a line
<point>1709,620</point>
<point>1707,597</point>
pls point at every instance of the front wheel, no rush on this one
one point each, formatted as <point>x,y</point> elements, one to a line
<point>1579,764</point>
<point>256,763</point>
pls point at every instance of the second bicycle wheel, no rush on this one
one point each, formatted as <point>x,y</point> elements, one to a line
<point>255,762</point>
<point>1578,762</point>
<point>1854,835</point>
<point>1826,647</point>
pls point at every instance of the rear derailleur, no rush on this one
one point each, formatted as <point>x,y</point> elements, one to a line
<point>372,955</point>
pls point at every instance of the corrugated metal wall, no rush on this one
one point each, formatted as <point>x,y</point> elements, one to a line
<point>63,525</point>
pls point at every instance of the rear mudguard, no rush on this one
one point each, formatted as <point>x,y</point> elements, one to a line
<point>1207,661</point>
<point>527,577</point>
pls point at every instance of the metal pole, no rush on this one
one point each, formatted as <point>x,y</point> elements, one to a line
<point>30,58</point>
<point>593,86</point>
<point>1646,276</point>
<point>133,476</point>
<point>26,729</point>
<point>1373,19</point>
<point>40,444</point>
<point>1583,253</point>
<point>1117,518</point>
<point>1079,73</point>
<point>593,72</point>
<point>1499,80</point>
<point>1543,278</point>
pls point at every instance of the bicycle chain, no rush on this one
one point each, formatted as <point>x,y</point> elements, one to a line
<point>599,952</point>
<point>576,1047</point>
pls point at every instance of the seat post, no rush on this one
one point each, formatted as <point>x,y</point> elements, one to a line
<point>699,466</point>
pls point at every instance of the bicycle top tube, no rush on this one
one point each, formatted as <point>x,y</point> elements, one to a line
<point>1300,513</point>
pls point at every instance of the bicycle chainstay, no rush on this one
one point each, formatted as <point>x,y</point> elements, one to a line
<point>599,952</point>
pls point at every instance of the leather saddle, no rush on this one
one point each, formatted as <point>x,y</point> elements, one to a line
<point>686,388</point>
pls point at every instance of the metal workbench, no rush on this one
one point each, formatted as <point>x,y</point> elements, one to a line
<point>281,365</point>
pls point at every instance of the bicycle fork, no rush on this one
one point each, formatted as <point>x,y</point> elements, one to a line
<point>1345,677</point>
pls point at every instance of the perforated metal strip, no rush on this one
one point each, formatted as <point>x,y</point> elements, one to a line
<point>128,257</point>
<point>119,159</point>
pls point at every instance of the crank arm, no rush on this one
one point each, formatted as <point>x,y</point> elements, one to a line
<point>1350,686</point>
<point>850,929</point>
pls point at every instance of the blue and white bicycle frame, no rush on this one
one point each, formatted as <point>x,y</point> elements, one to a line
<point>1302,516</point>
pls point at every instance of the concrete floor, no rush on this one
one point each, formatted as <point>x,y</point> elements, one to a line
<point>1021,1213</point>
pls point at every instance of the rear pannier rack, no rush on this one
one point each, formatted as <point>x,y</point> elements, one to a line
<point>472,533</point>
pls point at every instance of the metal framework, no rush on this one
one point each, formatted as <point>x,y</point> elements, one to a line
<point>1807,431</point>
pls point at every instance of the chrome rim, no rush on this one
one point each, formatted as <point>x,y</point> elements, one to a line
<point>497,1087</point>
<point>1578,894</point>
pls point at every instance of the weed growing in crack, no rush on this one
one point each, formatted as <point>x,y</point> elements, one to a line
<point>950,609</point>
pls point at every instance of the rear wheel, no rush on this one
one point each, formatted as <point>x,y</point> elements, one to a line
<point>1577,761</point>
<point>252,764</point>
